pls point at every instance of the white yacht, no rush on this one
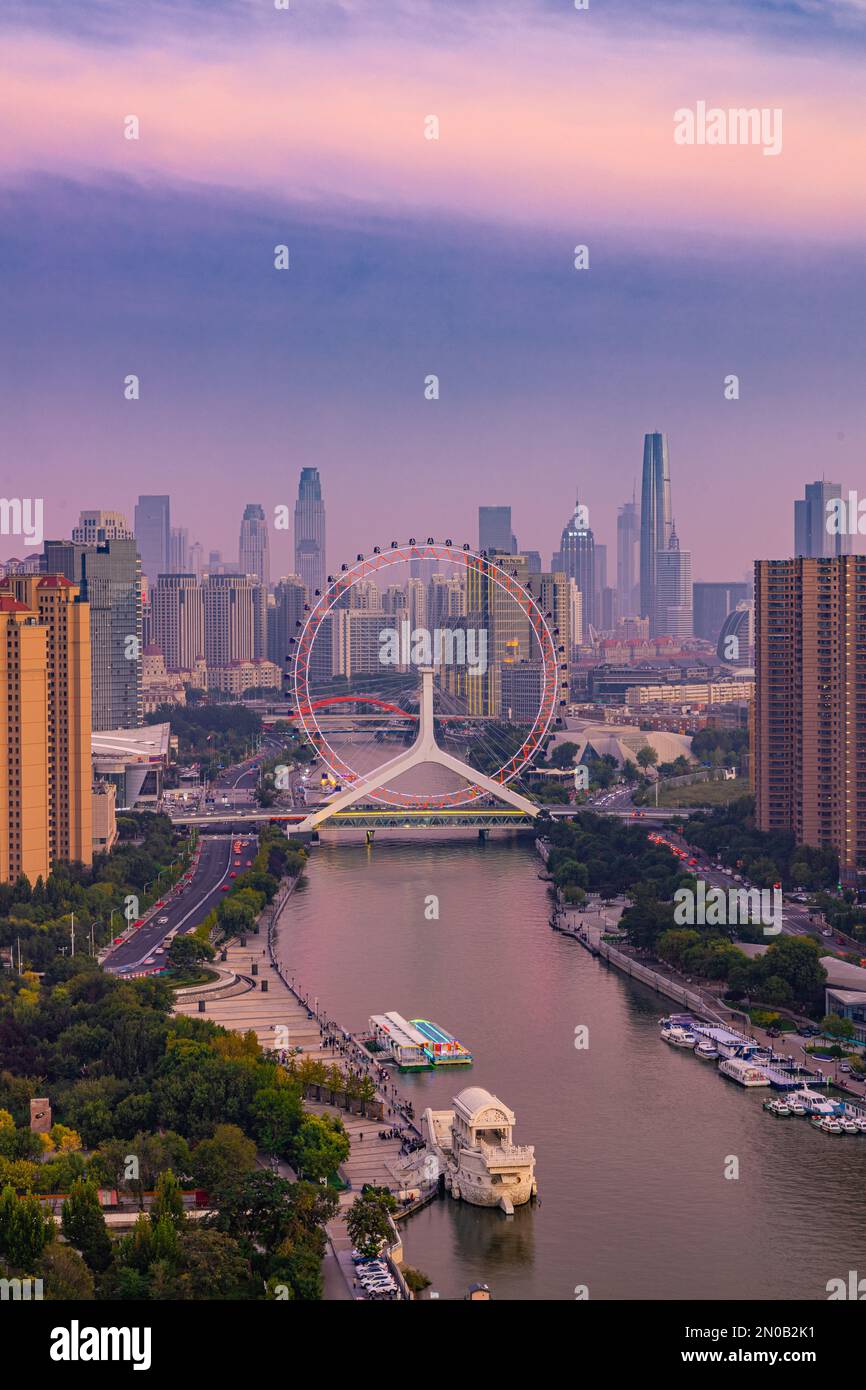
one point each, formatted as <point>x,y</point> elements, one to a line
<point>678,1036</point>
<point>849,1126</point>
<point>474,1146</point>
<point>797,1107</point>
<point>706,1050</point>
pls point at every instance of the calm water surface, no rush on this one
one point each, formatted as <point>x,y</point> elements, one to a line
<point>631,1136</point>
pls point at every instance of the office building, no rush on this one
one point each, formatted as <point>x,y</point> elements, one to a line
<point>108,576</point>
<point>627,559</point>
<point>229,618</point>
<point>178,551</point>
<point>673,592</point>
<point>655,519</point>
<point>812,538</point>
<point>285,620</point>
<point>310,562</point>
<point>153,536</point>
<point>809,722</point>
<point>101,526</point>
<point>45,767</point>
<point>177,621</point>
<point>494,530</point>
<point>576,557</point>
<point>713,603</point>
<point>253,547</point>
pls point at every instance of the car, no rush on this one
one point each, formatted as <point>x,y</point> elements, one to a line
<point>232,874</point>
<point>161,920</point>
<point>249,863</point>
<point>224,887</point>
<point>159,904</point>
<point>237,863</point>
<point>118,940</point>
<point>845,1066</point>
<point>826,932</point>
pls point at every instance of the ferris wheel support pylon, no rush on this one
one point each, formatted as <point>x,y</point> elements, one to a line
<point>425,749</point>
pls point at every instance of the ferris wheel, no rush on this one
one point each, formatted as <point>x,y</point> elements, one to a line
<point>511,593</point>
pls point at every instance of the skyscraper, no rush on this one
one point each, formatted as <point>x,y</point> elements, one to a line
<point>811,536</point>
<point>253,549</point>
<point>101,526</point>
<point>109,578</point>
<point>310,562</point>
<point>178,551</point>
<point>283,619</point>
<point>229,618</point>
<point>712,604</point>
<point>673,614</point>
<point>809,712</point>
<point>494,530</point>
<point>45,759</point>
<point>627,574</point>
<point>576,557</point>
<point>177,624</point>
<point>655,518</point>
<point>153,535</point>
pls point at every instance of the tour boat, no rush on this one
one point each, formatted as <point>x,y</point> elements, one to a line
<point>848,1126</point>
<point>679,1037</point>
<point>797,1107</point>
<point>441,1048</point>
<point>830,1126</point>
<point>706,1050</point>
<point>743,1072</point>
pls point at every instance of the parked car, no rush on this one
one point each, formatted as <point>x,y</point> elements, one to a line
<point>161,920</point>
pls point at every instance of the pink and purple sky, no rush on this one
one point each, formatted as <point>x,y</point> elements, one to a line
<point>261,126</point>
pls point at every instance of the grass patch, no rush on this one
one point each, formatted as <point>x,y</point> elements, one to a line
<point>701,793</point>
<point>185,979</point>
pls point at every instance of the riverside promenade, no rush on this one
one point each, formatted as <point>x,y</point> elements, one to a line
<point>254,993</point>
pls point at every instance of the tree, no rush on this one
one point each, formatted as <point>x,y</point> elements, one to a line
<point>65,1273</point>
<point>276,1114</point>
<point>647,756</point>
<point>322,1144</point>
<point>837,1027</point>
<point>83,1225</point>
<point>167,1201</point>
<point>24,1231</point>
<point>367,1222</point>
<point>189,951</point>
<point>223,1158</point>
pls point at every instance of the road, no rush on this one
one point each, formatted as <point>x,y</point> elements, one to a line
<point>187,905</point>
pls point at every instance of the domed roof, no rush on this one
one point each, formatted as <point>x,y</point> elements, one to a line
<point>475,1098</point>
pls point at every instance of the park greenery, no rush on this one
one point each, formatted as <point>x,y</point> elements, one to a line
<point>592,853</point>
<point>146,1102</point>
<point>214,735</point>
<point>729,833</point>
<point>147,860</point>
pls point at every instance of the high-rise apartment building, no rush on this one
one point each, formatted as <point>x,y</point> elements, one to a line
<point>101,526</point>
<point>553,594</point>
<point>494,530</point>
<point>809,722</point>
<point>177,620</point>
<point>655,519</point>
<point>108,576</point>
<point>812,537</point>
<point>310,534</point>
<point>627,559</point>
<point>254,546</point>
<point>229,618</point>
<point>45,758</point>
<point>153,536</point>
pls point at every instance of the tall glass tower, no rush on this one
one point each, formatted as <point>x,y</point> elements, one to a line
<point>310,533</point>
<point>253,548</point>
<point>576,557</point>
<point>655,518</point>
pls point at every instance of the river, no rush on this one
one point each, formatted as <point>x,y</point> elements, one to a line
<point>632,1137</point>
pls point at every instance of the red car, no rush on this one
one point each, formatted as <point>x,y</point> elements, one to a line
<point>118,940</point>
<point>224,888</point>
<point>232,874</point>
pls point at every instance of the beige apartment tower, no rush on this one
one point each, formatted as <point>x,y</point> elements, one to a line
<point>45,758</point>
<point>810,703</point>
